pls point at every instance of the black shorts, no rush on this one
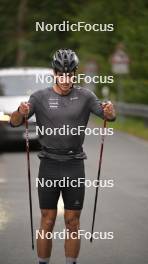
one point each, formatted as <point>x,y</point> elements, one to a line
<point>65,177</point>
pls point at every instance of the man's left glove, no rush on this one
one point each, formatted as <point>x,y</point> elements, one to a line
<point>109,111</point>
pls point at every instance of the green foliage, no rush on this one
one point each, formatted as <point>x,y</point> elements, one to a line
<point>18,36</point>
<point>135,91</point>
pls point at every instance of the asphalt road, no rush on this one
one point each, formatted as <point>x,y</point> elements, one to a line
<point>122,209</point>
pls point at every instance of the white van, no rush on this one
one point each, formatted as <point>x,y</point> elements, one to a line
<point>16,85</point>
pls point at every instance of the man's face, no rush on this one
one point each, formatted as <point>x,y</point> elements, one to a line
<point>65,81</point>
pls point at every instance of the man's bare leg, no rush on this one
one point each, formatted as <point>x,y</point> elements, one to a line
<point>72,246</point>
<point>44,246</point>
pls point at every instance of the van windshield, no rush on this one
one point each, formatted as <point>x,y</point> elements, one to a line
<point>21,85</point>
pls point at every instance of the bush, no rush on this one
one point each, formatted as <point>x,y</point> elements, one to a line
<point>135,91</point>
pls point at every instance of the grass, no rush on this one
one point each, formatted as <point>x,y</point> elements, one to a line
<point>133,126</point>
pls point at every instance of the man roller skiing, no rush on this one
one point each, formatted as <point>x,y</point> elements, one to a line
<point>62,155</point>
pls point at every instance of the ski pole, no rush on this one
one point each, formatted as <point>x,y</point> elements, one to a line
<point>98,177</point>
<point>29,179</point>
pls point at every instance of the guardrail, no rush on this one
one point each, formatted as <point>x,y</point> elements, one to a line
<point>128,109</point>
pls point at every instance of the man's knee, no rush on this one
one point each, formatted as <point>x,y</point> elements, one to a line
<point>72,224</point>
<point>47,221</point>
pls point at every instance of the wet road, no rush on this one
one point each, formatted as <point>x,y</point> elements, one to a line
<point>122,209</point>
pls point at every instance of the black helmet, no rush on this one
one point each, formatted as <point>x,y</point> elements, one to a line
<point>65,60</point>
